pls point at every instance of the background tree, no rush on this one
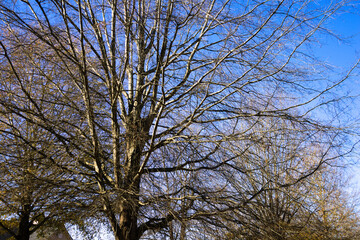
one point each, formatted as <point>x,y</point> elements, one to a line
<point>280,210</point>
<point>153,91</point>
<point>335,214</point>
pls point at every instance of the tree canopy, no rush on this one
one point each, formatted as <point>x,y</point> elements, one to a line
<point>167,117</point>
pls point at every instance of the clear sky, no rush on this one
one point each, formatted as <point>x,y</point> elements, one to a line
<point>342,54</point>
<point>337,52</point>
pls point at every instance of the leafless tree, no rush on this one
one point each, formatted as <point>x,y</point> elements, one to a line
<point>152,91</point>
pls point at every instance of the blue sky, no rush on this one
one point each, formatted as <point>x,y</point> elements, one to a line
<point>337,52</point>
<point>342,54</point>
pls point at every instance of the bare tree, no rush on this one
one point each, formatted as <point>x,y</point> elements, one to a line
<point>151,91</point>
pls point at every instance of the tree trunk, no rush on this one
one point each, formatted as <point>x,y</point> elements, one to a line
<point>129,202</point>
<point>126,227</point>
<point>128,223</point>
<point>24,225</point>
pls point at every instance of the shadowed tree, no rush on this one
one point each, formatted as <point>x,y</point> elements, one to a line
<point>36,187</point>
